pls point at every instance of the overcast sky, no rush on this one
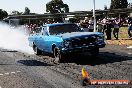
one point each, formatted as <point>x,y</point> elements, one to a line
<point>39,6</point>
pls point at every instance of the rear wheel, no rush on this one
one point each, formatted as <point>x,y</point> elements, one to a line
<point>58,56</point>
<point>36,50</point>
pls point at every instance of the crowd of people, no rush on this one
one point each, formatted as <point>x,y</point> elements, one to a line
<point>105,26</point>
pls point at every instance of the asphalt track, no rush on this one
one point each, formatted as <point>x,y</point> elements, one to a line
<point>21,70</point>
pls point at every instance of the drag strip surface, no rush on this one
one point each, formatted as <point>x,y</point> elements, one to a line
<point>21,70</point>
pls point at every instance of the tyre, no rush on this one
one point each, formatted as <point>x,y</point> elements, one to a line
<point>94,52</point>
<point>36,50</point>
<point>58,56</point>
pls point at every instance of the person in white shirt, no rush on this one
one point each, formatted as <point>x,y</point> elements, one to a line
<point>116,28</point>
<point>91,24</point>
<point>104,24</point>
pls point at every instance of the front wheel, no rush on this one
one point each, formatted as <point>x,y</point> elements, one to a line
<point>94,52</point>
<point>36,50</point>
<point>58,56</point>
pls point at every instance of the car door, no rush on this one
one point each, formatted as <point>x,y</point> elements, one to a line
<point>44,38</point>
<point>37,40</point>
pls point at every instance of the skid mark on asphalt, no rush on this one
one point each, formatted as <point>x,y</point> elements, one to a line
<point>8,73</point>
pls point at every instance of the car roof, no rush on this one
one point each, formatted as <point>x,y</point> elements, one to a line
<point>56,24</point>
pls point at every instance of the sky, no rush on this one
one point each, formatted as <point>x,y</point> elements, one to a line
<point>39,6</point>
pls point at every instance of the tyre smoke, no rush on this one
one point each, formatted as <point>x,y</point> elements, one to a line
<point>14,38</point>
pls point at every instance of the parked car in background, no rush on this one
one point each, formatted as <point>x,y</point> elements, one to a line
<point>61,39</point>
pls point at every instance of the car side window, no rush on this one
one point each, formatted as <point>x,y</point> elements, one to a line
<point>44,31</point>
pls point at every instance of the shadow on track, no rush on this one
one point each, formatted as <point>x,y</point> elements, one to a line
<point>102,58</point>
<point>33,63</point>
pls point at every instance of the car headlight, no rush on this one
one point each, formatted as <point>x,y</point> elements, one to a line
<point>67,44</point>
<point>100,38</point>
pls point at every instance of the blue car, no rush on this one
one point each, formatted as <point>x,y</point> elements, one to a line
<point>61,39</point>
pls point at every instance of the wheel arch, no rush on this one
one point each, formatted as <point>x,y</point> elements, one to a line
<point>53,46</point>
<point>33,44</point>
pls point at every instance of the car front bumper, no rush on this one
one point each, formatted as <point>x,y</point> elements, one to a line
<point>82,48</point>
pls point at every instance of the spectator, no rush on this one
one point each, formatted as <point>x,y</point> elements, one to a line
<point>104,24</point>
<point>91,24</point>
<point>85,25</point>
<point>99,26</point>
<point>130,29</point>
<point>108,29</point>
<point>116,28</point>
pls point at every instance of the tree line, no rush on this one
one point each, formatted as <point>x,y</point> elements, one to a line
<point>58,6</point>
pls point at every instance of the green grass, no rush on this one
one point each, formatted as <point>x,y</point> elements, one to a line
<point>122,33</point>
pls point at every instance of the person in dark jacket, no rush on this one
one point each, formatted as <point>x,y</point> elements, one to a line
<point>130,29</point>
<point>108,29</point>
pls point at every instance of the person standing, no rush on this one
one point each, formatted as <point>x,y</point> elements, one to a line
<point>116,28</point>
<point>91,24</point>
<point>130,29</point>
<point>104,24</point>
<point>108,29</point>
<point>86,24</point>
<point>99,26</point>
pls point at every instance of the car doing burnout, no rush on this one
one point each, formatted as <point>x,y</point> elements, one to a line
<point>61,39</point>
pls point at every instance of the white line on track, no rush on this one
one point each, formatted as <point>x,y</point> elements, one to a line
<point>13,72</point>
<point>18,71</point>
<point>1,74</point>
<point>7,73</point>
<point>129,53</point>
<point>129,47</point>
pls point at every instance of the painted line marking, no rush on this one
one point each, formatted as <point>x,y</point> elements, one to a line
<point>1,74</point>
<point>13,72</point>
<point>18,71</point>
<point>7,73</point>
<point>129,47</point>
<point>129,53</point>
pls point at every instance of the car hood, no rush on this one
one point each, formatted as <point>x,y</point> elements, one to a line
<point>77,34</point>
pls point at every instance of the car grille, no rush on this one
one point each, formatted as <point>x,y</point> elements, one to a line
<point>85,41</point>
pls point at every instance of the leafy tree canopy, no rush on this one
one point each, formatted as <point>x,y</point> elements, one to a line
<point>57,6</point>
<point>16,13</point>
<point>116,4</point>
<point>27,11</point>
<point>3,14</point>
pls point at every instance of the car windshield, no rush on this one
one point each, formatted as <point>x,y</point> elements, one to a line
<point>65,28</point>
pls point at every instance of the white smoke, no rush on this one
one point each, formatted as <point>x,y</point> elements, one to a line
<point>14,38</point>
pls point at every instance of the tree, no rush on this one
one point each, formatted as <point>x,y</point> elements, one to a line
<point>3,14</point>
<point>130,5</point>
<point>16,13</point>
<point>27,11</point>
<point>116,4</point>
<point>105,7</point>
<point>57,6</point>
